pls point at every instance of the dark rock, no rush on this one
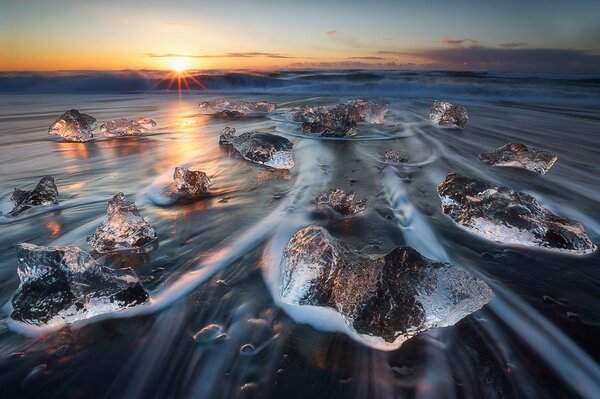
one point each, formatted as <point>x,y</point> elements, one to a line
<point>395,156</point>
<point>394,297</point>
<point>124,228</point>
<point>518,155</point>
<point>45,193</point>
<point>444,114</point>
<point>64,284</point>
<point>341,201</point>
<point>509,217</point>
<point>73,126</point>
<point>263,148</point>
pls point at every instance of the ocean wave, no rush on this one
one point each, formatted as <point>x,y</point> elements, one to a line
<point>545,88</point>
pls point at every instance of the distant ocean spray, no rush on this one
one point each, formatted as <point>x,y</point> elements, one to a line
<point>548,88</point>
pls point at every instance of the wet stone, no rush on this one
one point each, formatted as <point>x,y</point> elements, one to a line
<point>60,351</point>
<point>73,126</point>
<point>63,284</point>
<point>44,193</point>
<point>190,184</point>
<point>393,297</point>
<point>247,349</point>
<point>124,229</point>
<point>444,114</point>
<point>263,148</point>
<point>518,155</point>
<point>212,333</point>
<point>395,156</point>
<point>236,108</point>
<point>340,120</point>
<point>127,127</point>
<point>511,217</point>
<point>341,202</point>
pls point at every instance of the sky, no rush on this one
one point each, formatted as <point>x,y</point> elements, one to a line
<point>508,35</point>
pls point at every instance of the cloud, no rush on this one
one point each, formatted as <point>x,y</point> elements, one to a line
<point>514,44</point>
<point>351,65</point>
<point>252,54</point>
<point>330,33</point>
<point>504,59</point>
<point>372,58</point>
<point>459,42</point>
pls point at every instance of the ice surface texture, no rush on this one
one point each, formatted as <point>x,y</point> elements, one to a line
<point>341,201</point>
<point>73,126</point>
<point>444,114</point>
<point>127,127</point>
<point>45,193</point>
<point>340,120</point>
<point>518,155</point>
<point>236,108</point>
<point>263,148</point>
<point>509,217</point>
<point>63,284</point>
<point>124,229</point>
<point>394,296</point>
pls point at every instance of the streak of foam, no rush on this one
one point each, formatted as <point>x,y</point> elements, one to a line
<point>415,229</point>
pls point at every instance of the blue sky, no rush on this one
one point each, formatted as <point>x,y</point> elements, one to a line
<point>549,36</point>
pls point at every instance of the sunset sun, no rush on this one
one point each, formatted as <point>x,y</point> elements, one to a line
<point>178,65</point>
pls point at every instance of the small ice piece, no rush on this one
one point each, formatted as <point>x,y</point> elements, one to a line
<point>190,184</point>
<point>341,201</point>
<point>63,284</point>
<point>263,148</point>
<point>509,217</point>
<point>45,193</point>
<point>444,114</point>
<point>395,156</point>
<point>73,126</point>
<point>519,155</point>
<point>124,229</point>
<point>340,120</point>
<point>393,297</point>
<point>127,127</point>
<point>236,108</point>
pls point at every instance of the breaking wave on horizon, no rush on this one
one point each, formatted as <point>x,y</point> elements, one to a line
<point>487,86</point>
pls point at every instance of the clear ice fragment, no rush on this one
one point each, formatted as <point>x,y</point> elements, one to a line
<point>64,284</point>
<point>124,229</point>
<point>73,126</point>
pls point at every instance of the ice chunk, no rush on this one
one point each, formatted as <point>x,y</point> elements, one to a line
<point>263,148</point>
<point>190,184</point>
<point>127,127</point>
<point>124,228</point>
<point>73,126</point>
<point>395,156</point>
<point>236,108</point>
<point>509,217</point>
<point>520,156</point>
<point>45,193</point>
<point>367,111</point>
<point>444,114</point>
<point>394,296</point>
<point>340,120</point>
<point>341,201</point>
<point>63,284</point>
